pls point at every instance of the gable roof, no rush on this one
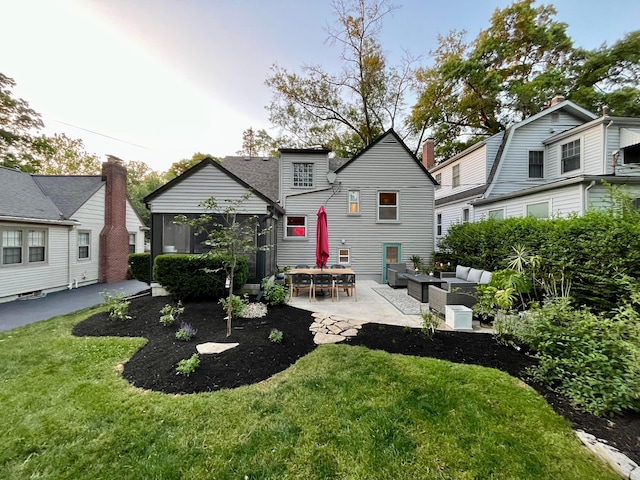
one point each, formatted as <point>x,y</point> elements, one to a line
<point>69,192</point>
<point>380,139</point>
<point>199,166</point>
<point>22,199</point>
<point>262,173</point>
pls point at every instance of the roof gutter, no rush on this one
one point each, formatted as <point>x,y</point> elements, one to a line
<point>9,218</point>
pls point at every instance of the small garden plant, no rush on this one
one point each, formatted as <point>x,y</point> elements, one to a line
<point>116,305</point>
<point>430,324</point>
<point>276,335</point>
<point>274,293</point>
<point>238,305</point>
<point>170,314</point>
<point>187,366</point>
<point>186,332</point>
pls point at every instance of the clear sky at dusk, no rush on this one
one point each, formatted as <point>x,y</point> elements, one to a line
<point>157,80</point>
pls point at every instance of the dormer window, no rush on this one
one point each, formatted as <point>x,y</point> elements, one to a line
<point>303,174</point>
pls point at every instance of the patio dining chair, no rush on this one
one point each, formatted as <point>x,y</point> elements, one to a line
<point>337,265</point>
<point>301,281</point>
<point>346,282</point>
<point>302,266</point>
<point>322,281</point>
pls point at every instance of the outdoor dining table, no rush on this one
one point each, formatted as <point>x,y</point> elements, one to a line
<point>312,271</point>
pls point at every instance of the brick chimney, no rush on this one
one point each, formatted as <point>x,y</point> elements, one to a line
<point>556,100</point>
<point>114,237</point>
<point>428,153</point>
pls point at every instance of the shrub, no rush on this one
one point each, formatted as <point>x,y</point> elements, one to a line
<point>186,332</point>
<point>197,276</point>
<point>276,335</point>
<point>116,305</point>
<point>593,359</point>
<point>187,366</point>
<point>170,314</point>
<point>430,324</point>
<point>274,293</point>
<point>238,305</point>
<point>140,266</point>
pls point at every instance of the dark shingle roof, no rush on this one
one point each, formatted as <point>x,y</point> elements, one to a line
<point>259,172</point>
<point>69,192</point>
<point>20,196</point>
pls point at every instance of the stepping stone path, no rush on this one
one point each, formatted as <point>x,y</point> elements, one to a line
<point>212,347</point>
<point>332,329</point>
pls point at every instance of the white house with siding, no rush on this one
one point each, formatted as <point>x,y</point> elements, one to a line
<point>554,163</point>
<point>379,205</point>
<point>50,228</point>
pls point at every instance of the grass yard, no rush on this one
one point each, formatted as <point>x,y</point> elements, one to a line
<point>342,411</point>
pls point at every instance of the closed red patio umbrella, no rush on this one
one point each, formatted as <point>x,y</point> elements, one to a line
<point>322,239</point>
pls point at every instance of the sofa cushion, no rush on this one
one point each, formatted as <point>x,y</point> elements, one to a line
<point>462,272</point>
<point>474,275</point>
<point>485,278</point>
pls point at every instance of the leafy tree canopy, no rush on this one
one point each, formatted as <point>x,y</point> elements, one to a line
<point>349,109</point>
<point>511,71</point>
<point>181,166</point>
<point>258,143</point>
<point>67,156</point>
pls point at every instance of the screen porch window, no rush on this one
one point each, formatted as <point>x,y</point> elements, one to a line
<point>37,244</point>
<point>536,164</point>
<point>83,245</point>
<point>303,174</point>
<point>296,227</point>
<point>570,156</point>
<point>455,175</point>
<point>354,202</point>
<point>11,247</point>
<point>388,206</point>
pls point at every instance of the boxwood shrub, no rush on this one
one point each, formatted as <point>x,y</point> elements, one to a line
<point>140,266</point>
<point>185,276</point>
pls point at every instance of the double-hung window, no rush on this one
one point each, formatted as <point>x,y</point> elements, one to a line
<point>388,206</point>
<point>439,224</point>
<point>455,176</point>
<point>303,174</point>
<point>37,246</point>
<point>84,245</point>
<point>296,227</point>
<point>354,202</point>
<point>132,243</point>
<point>23,246</point>
<point>11,247</point>
<point>570,156</point>
<point>536,164</point>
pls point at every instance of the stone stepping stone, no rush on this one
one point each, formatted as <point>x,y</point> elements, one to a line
<point>212,347</point>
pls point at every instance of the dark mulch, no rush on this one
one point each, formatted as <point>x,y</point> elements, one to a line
<point>257,358</point>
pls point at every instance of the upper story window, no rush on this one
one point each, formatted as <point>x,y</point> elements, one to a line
<point>439,180</point>
<point>570,157</point>
<point>354,202</point>
<point>455,176</point>
<point>536,164</point>
<point>13,242</point>
<point>296,227</point>
<point>388,206</point>
<point>303,174</point>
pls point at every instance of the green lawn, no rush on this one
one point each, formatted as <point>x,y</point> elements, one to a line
<point>340,412</point>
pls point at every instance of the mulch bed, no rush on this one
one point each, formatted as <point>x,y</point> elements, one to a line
<point>257,358</point>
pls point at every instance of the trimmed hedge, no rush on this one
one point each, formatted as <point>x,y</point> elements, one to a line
<point>139,266</point>
<point>184,275</point>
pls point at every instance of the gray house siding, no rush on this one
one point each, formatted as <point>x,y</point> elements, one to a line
<point>385,167</point>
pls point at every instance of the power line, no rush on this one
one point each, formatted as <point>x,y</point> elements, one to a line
<point>102,135</point>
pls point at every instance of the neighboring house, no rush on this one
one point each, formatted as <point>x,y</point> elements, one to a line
<point>379,206</point>
<point>551,164</point>
<point>65,231</point>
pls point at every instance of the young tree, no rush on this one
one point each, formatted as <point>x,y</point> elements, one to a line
<point>229,236</point>
<point>347,110</point>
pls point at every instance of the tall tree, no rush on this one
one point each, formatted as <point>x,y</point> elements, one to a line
<point>67,156</point>
<point>346,110</point>
<point>258,143</point>
<point>181,166</point>
<point>20,146</point>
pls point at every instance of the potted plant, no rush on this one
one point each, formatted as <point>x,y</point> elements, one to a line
<point>417,262</point>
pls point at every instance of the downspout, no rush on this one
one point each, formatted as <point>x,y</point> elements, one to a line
<point>69,256</point>
<point>585,197</point>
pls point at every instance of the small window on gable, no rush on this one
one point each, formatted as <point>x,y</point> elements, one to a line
<point>303,174</point>
<point>296,227</point>
<point>354,202</point>
<point>388,206</point>
<point>344,256</point>
<point>455,176</point>
<point>439,180</point>
<point>536,164</point>
<point>570,156</point>
<point>84,242</point>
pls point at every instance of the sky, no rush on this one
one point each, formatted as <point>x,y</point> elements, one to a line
<point>158,80</point>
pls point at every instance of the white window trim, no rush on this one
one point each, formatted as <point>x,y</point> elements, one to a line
<point>349,212</point>
<point>527,205</point>
<point>24,256</point>
<point>378,206</point>
<point>293,176</point>
<point>135,242</point>
<point>348,250</point>
<point>497,210</point>
<point>296,238</point>
<point>88,257</point>
<point>438,225</point>
<point>453,177</point>
<point>560,163</point>
<point>438,178</point>
<point>468,210</point>
<point>529,164</point>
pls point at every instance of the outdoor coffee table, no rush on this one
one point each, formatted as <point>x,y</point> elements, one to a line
<point>418,286</point>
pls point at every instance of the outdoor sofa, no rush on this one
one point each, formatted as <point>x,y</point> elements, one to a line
<point>459,289</point>
<point>396,275</point>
